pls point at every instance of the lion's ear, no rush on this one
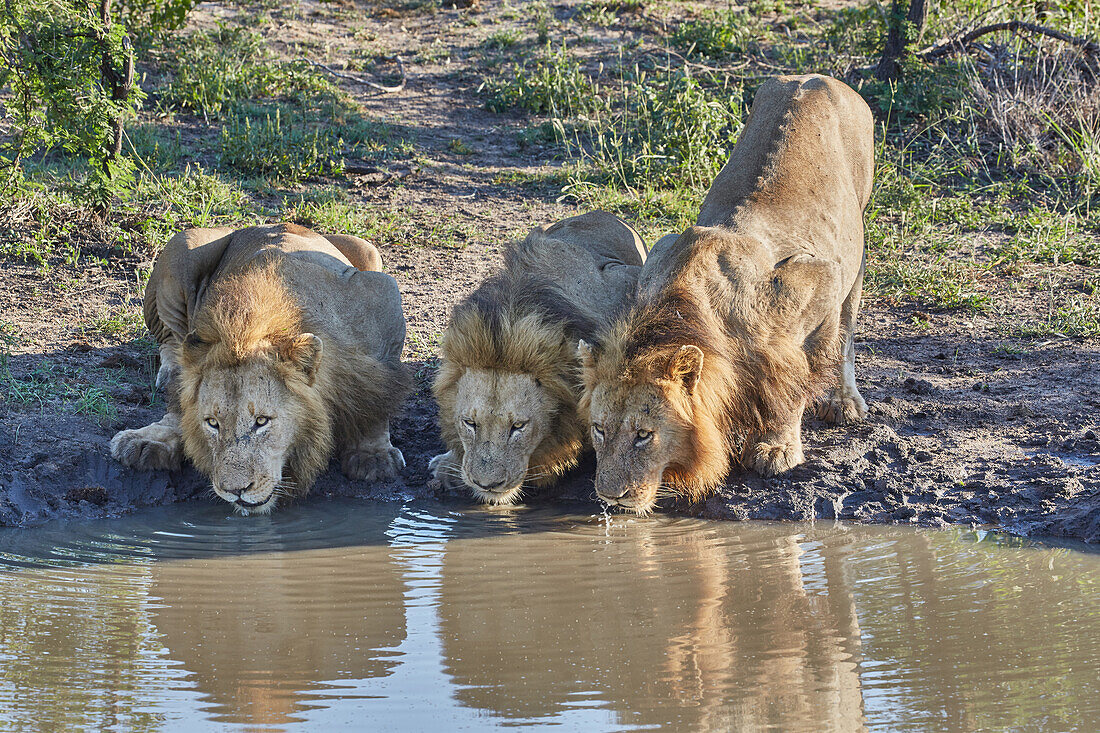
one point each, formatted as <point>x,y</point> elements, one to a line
<point>305,352</point>
<point>686,365</point>
<point>585,355</point>
<point>194,348</point>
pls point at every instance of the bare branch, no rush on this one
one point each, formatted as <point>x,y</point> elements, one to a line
<point>364,82</point>
<point>959,44</point>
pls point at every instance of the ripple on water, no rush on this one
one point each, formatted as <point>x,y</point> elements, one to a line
<point>330,613</point>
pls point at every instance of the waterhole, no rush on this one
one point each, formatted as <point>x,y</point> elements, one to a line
<point>343,615</point>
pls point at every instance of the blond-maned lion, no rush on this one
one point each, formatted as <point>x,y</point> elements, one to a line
<point>741,321</point>
<point>508,382</point>
<point>278,345</point>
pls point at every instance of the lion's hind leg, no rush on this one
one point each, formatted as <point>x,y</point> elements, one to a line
<point>371,456</point>
<point>844,403</point>
<point>156,446</point>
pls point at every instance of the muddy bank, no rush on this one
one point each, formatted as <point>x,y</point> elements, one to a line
<point>963,429</point>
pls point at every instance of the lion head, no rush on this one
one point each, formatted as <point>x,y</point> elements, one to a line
<point>650,430</point>
<point>658,392</point>
<point>506,388</point>
<point>252,412</point>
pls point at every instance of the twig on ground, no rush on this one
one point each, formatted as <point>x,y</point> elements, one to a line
<point>959,43</point>
<point>364,82</point>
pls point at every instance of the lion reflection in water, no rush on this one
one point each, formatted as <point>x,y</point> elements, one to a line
<point>262,637</point>
<point>701,639</point>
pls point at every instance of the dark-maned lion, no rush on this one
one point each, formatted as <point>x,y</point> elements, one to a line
<point>508,382</point>
<point>742,320</point>
<point>277,345</point>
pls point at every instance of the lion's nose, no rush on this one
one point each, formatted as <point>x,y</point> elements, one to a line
<point>238,492</point>
<point>489,487</point>
<point>611,495</point>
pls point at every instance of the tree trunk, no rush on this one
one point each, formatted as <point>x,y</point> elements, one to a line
<point>119,84</point>
<point>906,26</point>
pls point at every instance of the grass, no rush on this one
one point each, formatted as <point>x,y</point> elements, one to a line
<point>986,198</point>
<point>285,149</point>
<point>968,151</point>
<point>553,84</point>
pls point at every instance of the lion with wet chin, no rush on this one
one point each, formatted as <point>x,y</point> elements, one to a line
<point>279,348</point>
<point>744,321</point>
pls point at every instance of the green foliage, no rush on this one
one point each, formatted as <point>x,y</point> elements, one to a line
<point>214,72</point>
<point>665,130</point>
<point>921,91</point>
<point>51,60</point>
<point>553,84</point>
<point>285,148</point>
<point>153,19</point>
<point>719,35</point>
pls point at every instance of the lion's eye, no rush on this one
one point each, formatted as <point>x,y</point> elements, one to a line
<point>469,423</point>
<point>212,423</point>
<point>262,420</point>
<point>597,432</point>
<point>644,436</point>
<point>518,425</point>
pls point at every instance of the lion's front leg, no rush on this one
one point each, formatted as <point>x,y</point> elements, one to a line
<point>159,445</point>
<point>779,450</point>
<point>447,468</point>
<point>844,403</point>
<point>372,457</point>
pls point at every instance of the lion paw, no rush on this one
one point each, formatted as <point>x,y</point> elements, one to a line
<point>372,465</point>
<point>842,407</point>
<point>152,447</point>
<point>770,459</point>
<point>447,471</point>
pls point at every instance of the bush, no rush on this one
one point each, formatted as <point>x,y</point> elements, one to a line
<point>51,58</point>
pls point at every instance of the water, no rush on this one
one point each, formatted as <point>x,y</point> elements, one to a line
<point>428,617</point>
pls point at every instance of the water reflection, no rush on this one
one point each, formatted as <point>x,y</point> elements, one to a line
<point>411,617</point>
<point>686,625</point>
<point>263,642</point>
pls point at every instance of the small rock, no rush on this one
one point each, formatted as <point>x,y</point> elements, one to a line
<point>94,494</point>
<point>918,386</point>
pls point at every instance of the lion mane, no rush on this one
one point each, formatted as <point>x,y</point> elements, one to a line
<point>747,380</point>
<point>515,322</point>
<point>252,315</point>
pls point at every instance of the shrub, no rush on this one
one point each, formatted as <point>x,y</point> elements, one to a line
<point>52,55</point>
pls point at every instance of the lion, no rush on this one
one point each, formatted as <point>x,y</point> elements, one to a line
<point>508,383</point>
<point>745,319</point>
<point>278,346</point>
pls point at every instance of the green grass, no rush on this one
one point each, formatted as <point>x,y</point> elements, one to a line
<point>553,84</point>
<point>211,73</point>
<point>720,35</point>
<point>285,148</point>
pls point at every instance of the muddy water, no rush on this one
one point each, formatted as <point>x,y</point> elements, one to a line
<point>415,617</point>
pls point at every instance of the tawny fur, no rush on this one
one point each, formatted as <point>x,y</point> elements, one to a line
<point>266,306</point>
<point>509,328</point>
<point>766,286</point>
<point>518,334</point>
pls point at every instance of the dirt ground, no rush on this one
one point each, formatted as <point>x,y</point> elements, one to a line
<point>966,425</point>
